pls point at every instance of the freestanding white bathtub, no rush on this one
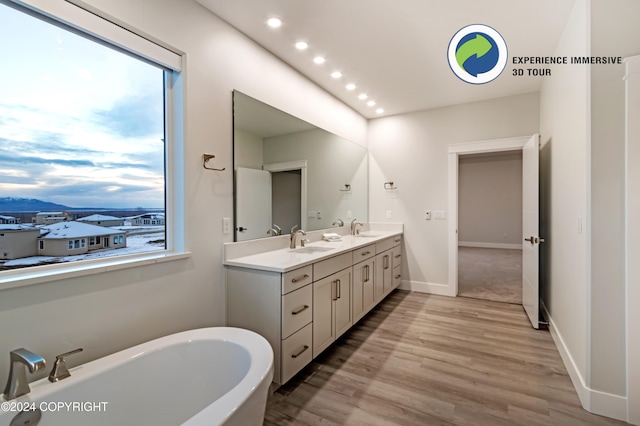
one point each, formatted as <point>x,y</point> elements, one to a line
<point>208,376</point>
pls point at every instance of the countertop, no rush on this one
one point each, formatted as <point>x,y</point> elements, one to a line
<point>284,260</point>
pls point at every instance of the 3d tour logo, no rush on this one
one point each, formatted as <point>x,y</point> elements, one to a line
<point>477,54</point>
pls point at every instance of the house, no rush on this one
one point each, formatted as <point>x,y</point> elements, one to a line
<point>47,218</point>
<point>579,112</point>
<point>18,241</point>
<point>154,219</point>
<point>73,238</point>
<point>101,220</point>
<point>7,220</point>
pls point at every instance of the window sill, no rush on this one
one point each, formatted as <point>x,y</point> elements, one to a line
<point>45,274</point>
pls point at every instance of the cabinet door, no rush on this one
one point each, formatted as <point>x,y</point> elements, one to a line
<point>378,280</point>
<point>387,270</point>
<point>362,285</point>
<point>342,309</point>
<point>368,299</point>
<point>324,292</point>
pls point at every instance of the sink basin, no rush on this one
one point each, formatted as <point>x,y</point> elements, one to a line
<point>311,249</point>
<point>367,236</point>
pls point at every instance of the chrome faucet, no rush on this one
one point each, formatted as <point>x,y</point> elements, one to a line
<point>338,222</point>
<point>293,234</point>
<point>354,227</point>
<point>275,231</point>
<point>17,383</point>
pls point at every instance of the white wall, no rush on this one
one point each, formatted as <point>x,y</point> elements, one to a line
<point>248,149</point>
<point>564,136</point>
<point>412,151</point>
<point>608,373</point>
<point>110,311</point>
<point>490,200</point>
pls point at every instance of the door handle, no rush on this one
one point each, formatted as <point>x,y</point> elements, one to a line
<point>242,229</point>
<point>534,240</point>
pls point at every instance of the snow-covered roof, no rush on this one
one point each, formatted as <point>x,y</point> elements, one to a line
<point>149,215</point>
<point>97,218</point>
<point>50,213</point>
<point>17,227</point>
<point>6,217</point>
<point>64,230</point>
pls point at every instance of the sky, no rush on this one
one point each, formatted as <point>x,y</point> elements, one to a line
<point>80,124</point>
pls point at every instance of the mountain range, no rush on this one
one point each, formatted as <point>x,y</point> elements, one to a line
<point>14,204</point>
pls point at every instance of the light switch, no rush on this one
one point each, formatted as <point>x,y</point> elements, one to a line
<point>348,214</point>
<point>427,215</point>
<point>311,214</point>
<point>439,214</point>
<point>226,225</point>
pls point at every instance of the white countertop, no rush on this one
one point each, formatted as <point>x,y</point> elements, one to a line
<point>283,260</point>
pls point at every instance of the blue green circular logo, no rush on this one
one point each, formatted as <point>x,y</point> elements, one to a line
<point>477,54</point>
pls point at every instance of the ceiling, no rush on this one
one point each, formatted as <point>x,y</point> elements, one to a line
<point>396,51</point>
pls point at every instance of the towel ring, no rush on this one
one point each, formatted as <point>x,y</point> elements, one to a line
<point>206,158</point>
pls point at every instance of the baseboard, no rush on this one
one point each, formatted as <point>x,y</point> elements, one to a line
<point>596,402</point>
<point>490,245</point>
<point>422,287</point>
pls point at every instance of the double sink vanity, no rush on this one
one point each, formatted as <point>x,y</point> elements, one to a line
<point>302,299</point>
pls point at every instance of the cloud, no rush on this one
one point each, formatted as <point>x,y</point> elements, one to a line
<point>133,117</point>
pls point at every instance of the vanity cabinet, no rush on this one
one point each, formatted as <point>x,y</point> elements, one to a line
<point>388,266</point>
<point>304,310</point>
<point>363,281</point>
<point>331,309</point>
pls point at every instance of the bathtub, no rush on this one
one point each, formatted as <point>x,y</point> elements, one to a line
<point>209,376</point>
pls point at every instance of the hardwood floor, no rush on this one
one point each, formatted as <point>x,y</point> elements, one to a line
<point>420,359</point>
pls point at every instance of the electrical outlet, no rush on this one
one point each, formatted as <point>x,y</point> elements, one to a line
<point>388,214</point>
<point>439,214</point>
<point>226,225</point>
<point>318,215</point>
<point>348,214</point>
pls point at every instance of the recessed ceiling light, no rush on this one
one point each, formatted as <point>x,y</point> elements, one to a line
<point>301,45</point>
<point>274,22</point>
<point>336,74</point>
<point>371,103</point>
<point>362,96</point>
<point>379,110</point>
<point>319,60</point>
<point>351,86</point>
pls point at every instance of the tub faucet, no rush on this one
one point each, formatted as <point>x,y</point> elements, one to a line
<point>293,234</point>
<point>17,383</point>
<point>354,227</point>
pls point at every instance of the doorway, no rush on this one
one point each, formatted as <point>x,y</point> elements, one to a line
<point>530,148</point>
<point>490,226</point>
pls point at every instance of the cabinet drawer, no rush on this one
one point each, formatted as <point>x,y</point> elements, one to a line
<point>397,240</point>
<point>296,352</point>
<point>397,276</point>
<point>297,278</point>
<point>384,245</point>
<point>364,253</point>
<point>324,268</point>
<point>297,310</point>
<point>397,257</point>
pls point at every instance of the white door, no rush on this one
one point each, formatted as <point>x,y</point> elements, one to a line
<point>253,203</point>
<point>530,228</point>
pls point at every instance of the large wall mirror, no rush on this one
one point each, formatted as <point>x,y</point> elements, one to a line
<point>288,173</point>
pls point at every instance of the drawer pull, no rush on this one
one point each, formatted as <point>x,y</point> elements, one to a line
<point>385,262</point>
<point>297,311</point>
<point>397,241</point>
<point>398,276</point>
<point>398,256</point>
<point>296,279</point>
<point>300,352</point>
<point>366,253</point>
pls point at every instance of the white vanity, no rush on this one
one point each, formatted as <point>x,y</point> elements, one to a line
<point>301,300</point>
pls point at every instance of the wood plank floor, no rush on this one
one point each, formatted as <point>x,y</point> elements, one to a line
<point>420,359</point>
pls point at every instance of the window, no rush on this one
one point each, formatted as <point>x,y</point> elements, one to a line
<point>82,125</point>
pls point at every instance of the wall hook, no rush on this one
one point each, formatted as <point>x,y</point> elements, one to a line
<point>347,188</point>
<point>206,158</point>
<point>389,185</point>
